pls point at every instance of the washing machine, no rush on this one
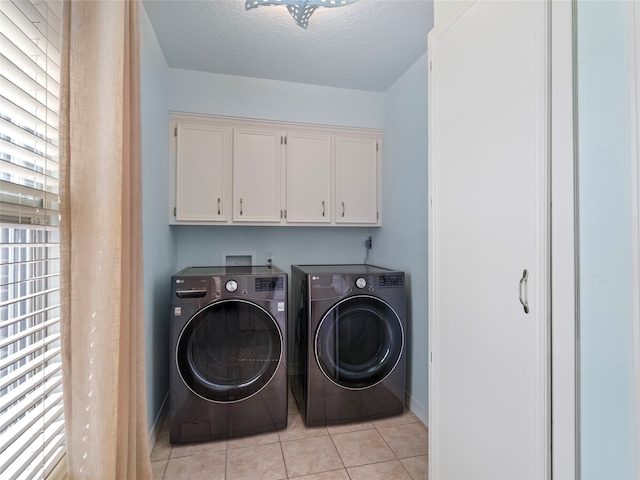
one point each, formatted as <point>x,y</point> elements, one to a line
<point>228,355</point>
<point>347,341</point>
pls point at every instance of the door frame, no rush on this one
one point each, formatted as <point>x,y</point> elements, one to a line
<point>563,351</point>
<point>634,150</point>
<point>564,264</point>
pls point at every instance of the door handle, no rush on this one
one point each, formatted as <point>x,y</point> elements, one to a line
<point>240,206</point>
<point>343,209</point>
<point>323,208</point>
<point>523,288</point>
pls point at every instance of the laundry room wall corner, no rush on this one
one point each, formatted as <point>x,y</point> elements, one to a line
<point>402,241</point>
<point>159,241</point>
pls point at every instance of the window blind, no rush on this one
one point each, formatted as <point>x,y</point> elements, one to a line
<point>31,403</point>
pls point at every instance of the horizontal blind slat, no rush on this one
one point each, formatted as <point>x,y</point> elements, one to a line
<point>16,194</point>
<point>23,253</point>
<point>54,452</point>
<point>31,164</point>
<point>29,138</point>
<point>52,276</point>
<point>28,331</point>
<point>24,100</point>
<point>12,53</point>
<point>21,354</point>
<point>25,19</point>
<point>26,119</point>
<point>21,455</point>
<point>16,375</point>
<point>32,289</point>
<point>28,394</point>
<point>15,435</point>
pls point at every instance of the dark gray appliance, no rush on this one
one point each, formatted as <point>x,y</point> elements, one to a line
<point>228,364</point>
<point>347,340</point>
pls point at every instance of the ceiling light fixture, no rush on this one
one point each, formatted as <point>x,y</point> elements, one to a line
<point>300,10</point>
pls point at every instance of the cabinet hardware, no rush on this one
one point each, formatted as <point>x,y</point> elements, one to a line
<point>523,298</point>
<point>323,208</point>
<point>240,206</point>
<point>174,211</point>
<point>285,139</point>
<point>218,205</point>
<point>175,132</point>
<point>343,209</point>
<point>280,213</point>
<point>285,214</point>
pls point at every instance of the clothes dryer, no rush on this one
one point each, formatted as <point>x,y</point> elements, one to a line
<point>347,338</point>
<point>228,375</point>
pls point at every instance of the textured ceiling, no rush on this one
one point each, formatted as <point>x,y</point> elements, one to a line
<point>367,45</point>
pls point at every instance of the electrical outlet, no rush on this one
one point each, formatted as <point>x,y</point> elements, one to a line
<point>368,243</point>
<point>268,258</point>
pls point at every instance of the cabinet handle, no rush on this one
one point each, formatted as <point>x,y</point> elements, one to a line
<point>343,209</point>
<point>323,208</point>
<point>240,206</point>
<point>218,205</point>
<point>523,298</point>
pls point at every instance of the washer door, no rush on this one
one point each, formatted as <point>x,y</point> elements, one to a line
<point>229,351</point>
<point>359,342</point>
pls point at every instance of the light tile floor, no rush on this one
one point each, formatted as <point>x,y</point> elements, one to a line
<point>391,449</point>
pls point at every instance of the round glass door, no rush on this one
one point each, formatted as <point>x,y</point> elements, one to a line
<point>229,351</point>
<point>359,342</point>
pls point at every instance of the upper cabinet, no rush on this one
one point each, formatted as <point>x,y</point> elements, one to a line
<point>308,177</point>
<point>257,157</point>
<point>236,171</point>
<point>202,168</point>
<point>356,180</point>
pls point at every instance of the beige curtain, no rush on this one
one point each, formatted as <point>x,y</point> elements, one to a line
<point>100,203</point>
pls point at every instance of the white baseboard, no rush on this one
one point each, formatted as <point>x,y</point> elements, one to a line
<point>157,423</point>
<point>419,410</point>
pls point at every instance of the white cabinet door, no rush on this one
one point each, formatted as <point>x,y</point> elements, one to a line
<point>356,180</point>
<point>202,162</point>
<point>257,158</point>
<point>489,373</point>
<point>308,178</point>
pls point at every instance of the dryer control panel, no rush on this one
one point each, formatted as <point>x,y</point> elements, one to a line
<point>269,284</point>
<point>391,281</point>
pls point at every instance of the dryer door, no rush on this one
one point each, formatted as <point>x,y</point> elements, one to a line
<point>359,342</point>
<point>229,351</point>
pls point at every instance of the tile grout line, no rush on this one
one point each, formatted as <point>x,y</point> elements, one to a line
<point>284,461</point>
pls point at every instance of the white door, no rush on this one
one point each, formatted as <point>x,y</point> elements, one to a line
<point>256,175</point>
<point>202,159</point>
<point>489,371</point>
<point>308,178</point>
<point>356,180</point>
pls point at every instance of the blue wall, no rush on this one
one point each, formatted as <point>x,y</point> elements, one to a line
<point>402,242</point>
<point>606,409</point>
<point>228,95</point>
<point>159,244</point>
